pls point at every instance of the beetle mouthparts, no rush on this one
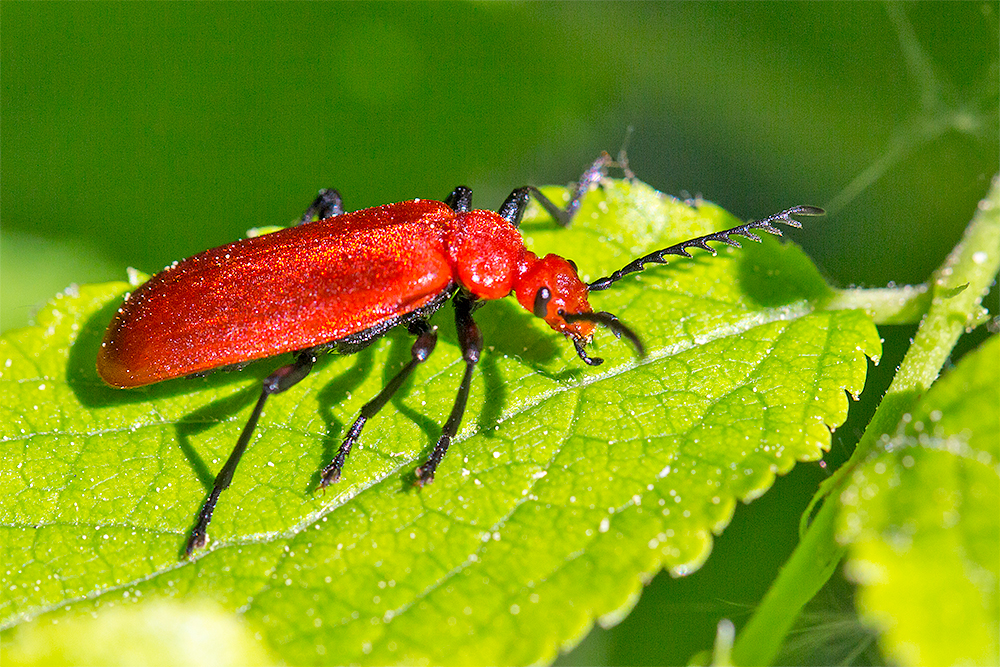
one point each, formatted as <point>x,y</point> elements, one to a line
<point>605,319</point>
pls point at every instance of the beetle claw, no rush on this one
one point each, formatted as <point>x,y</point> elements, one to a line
<point>330,476</point>
<point>424,476</point>
<point>198,540</point>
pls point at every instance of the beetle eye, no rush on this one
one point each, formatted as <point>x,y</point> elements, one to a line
<point>542,297</point>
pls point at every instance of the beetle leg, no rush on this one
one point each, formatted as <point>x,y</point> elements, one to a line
<point>595,174</point>
<point>422,348</point>
<point>277,382</point>
<point>326,205</point>
<point>471,342</point>
<point>460,199</point>
<point>513,208</point>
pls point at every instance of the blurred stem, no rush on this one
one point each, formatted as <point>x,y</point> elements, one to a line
<point>886,305</point>
<point>956,292</point>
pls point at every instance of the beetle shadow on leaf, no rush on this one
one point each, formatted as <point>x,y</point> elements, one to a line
<point>494,398</point>
<point>775,274</point>
<point>429,424</point>
<point>81,366</point>
<point>225,409</point>
<point>205,418</point>
<point>509,331</point>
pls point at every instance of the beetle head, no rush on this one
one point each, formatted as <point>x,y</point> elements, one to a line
<point>551,289</point>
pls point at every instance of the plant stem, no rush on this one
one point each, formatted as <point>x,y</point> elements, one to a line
<point>956,292</point>
<point>886,305</point>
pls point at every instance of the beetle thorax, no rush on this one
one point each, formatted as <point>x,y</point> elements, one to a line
<point>485,252</point>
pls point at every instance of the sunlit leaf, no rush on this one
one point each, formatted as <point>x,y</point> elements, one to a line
<point>567,488</point>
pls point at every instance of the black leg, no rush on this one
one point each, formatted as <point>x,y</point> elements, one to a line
<point>277,382</point>
<point>326,205</point>
<point>471,342</point>
<point>422,348</point>
<point>597,171</point>
<point>513,208</point>
<point>460,199</point>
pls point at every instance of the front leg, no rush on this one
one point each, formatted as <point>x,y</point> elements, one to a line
<point>471,342</point>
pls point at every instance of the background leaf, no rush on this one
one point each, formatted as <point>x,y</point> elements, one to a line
<point>567,488</point>
<point>922,521</point>
<point>159,633</point>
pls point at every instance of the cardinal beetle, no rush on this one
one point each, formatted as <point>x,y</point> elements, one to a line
<point>344,280</point>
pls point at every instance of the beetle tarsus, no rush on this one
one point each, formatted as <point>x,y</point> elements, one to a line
<point>198,540</point>
<point>330,475</point>
<point>425,473</point>
<point>595,173</point>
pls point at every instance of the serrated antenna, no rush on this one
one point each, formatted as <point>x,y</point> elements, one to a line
<point>681,249</point>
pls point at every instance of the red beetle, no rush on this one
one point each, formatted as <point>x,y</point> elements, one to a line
<point>343,281</point>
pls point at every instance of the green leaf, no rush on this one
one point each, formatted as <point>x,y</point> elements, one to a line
<point>567,488</point>
<point>157,633</point>
<point>921,518</point>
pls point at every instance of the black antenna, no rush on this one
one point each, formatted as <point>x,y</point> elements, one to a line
<point>659,256</point>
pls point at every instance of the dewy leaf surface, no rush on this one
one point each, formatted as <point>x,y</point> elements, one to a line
<point>567,488</point>
<point>922,520</point>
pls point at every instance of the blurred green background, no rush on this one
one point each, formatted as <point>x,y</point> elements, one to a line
<point>137,134</point>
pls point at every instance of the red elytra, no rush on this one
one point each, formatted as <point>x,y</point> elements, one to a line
<point>343,281</point>
<point>322,282</point>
